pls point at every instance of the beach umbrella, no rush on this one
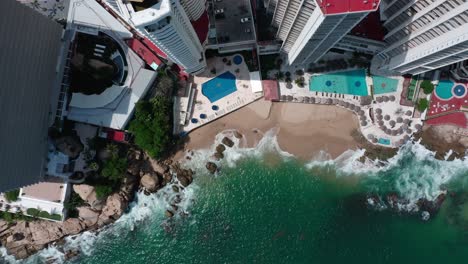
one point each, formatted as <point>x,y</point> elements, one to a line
<point>352,106</point>
<point>374,140</point>
<point>378,111</point>
<point>380,123</point>
<point>361,112</point>
<point>312,100</point>
<point>388,131</point>
<point>409,131</point>
<point>418,126</point>
<point>363,123</point>
<point>370,136</point>
<point>404,126</point>
<point>283,98</point>
<point>300,99</point>
<point>392,98</point>
<point>406,121</point>
<point>346,104</point>
<point>406,137</point>
<point>386,99</point>
<point>358,108</point>
<point>399,120</point>
<point>329,101</point>
<point>387,117</point>
<point>394,132</point>
<point>400,131</point>
<point>290,98</point>
<point>392,123</point>
<point>379,99</point>
<point>306,99</point>
<point>341,103</point>
<point>379,117</point>
<point>409,113</point>
<point>362,118</point>
<point>335,101</point>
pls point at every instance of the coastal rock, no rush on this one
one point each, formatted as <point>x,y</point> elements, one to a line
<point>150,182</point>
<point>184,181</point>
<point>114,208</point>
<point>44,232</point>
<point>211,167</point>
<point>228,142</point>
<point>3,226</point>
<point>175,188</point>
<point>158,167</point>
<point>88,215</point>
<point>134,167</point>
<point>169,213</point>
<point>218,156</point>
<point>237,134</point>
<point>220,148</point>
<point>72,226</point>
<point>87,193</point>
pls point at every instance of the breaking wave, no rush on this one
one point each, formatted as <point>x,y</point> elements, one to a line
<point>413,173</point>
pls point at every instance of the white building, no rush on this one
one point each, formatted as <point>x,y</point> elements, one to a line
<point>194,8</point>
<point>309,28</point>
<point>167,25</point>
<point>424,35</point>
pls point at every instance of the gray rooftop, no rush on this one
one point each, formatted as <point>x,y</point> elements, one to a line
<point>30,45</point>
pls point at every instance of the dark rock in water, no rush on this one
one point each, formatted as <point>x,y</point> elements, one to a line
<point>237,134</point>
<point>220,148</point>
<point>218,156</point>
<point>183,180</point>
<point>211,167</point>
<point>425,215</point>
<point>146,193</point>
<point>228,142</point>
<point>175,188</point>
<point>431,207</point>
<point>18,236</point>
<point>177,199</point>
<point>169,213</point>
<point>175,207</point>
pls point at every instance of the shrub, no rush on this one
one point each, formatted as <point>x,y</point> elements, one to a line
<point>422,104</point>
<point>6,216</point>
<point>102,191</point>
<point>279,75</point>
<point>56,217</point>
<point>73,202</point>
<point>213,71</point>
<point>152,125</point>
<point>427,86</point>
<point>300,72</point>
<point>114,168</point>
<point>12,195</point>
<point>300,82</point>
<point>288,74</point>
<point>44,214</point>
<point>33,212</point>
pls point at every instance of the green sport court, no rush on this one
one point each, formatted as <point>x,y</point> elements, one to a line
<point>346,82</point>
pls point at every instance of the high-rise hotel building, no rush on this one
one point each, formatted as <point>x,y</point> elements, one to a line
<point>167,25</point>
<point>310,28</point>
<point>423,35</point>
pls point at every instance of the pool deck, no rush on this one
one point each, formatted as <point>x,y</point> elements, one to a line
<point>371,126</point>
<point>202,105</point>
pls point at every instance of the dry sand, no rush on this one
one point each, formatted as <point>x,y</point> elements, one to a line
<point>303,129</point>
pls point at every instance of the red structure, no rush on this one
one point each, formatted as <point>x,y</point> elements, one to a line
<point>370,27</point>
<point>271,90</point>
<point>447,111</point>
<point>332,7</point>
<point>154,48</point>
<point>147,55</point>
<point>201,27</point>
<point>457,119</point>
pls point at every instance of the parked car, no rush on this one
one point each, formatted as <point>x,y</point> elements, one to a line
<point>115,135</point>
<point>245,20</point>
<point>219,11</point>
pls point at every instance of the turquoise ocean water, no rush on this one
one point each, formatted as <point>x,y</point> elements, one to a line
<point>264,207</point>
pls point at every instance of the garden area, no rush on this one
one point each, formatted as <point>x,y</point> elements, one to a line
<point>249,57</point>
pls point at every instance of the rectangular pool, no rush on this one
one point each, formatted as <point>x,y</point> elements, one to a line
<point>384,85</point>
<point>219,87</point>
<point>346,82</point>
<point>384,141</point>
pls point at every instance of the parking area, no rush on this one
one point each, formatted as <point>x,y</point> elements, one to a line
<point>233,20</point>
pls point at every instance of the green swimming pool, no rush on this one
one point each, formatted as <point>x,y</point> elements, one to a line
<point>444,89</point>
<point>346,82</point>
<point>384,141</point>
<point>384,85</point>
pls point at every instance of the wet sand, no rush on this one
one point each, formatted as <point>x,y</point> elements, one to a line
<point>304,130</point>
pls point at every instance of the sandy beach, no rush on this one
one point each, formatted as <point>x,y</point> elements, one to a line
<point>303,129</point>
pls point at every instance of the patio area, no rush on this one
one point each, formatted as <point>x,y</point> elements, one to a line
<point>54,9</point>
<point>206,109</point>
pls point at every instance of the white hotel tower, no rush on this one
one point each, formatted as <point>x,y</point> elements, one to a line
<point>424,35</point>
<point>309,28</point>
<point>167,25</point>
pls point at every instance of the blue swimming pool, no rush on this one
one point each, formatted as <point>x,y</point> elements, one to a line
<point>459,90</point>
<point>219,87</point>
<point>384,141</point>
<point>346,82</point>
<point>384,85</point>
<point>444,89</point>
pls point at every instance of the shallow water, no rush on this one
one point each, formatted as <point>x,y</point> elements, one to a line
<point>283,211</point>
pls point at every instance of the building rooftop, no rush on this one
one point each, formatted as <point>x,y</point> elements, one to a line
<point>334,7</point>
<point>148,16</point>
<point>229,27</point>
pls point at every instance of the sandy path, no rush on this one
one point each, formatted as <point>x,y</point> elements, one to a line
<point>304,129</point>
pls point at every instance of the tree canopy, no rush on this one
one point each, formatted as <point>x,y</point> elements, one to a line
<point>422,104</point>
<point>427,86</point>
<point>152,125</point>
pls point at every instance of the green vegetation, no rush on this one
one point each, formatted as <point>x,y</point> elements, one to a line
<point>102,191</point>
<point>152,125</point>
<point>43,214</point>
<point>73,202</point>
<point>114,168</point>
<point>300,82</point>
<point>422,104</point>
<point>12,195</point>
<point>427,86</point>
<point>269,62</point>
<point>10,217</point>
<point>411,89</point>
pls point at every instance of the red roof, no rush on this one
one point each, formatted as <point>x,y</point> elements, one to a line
<point>147,55</point>
<point>116,135</point>
<point>154,48</point>
<point>331,7</point>
<point>202,26</point>
<point>270,90</point>
<point>370,27</point>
